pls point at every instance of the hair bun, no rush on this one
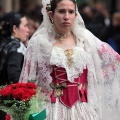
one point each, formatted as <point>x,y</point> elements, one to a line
<point>4,28</point>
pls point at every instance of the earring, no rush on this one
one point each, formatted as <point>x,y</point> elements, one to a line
<point>51,20</point>
<point>15,35</point>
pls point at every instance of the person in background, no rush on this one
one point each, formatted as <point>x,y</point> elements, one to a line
<point>111,34</point>
<point>94,20</point>
<point>100,7</point>
<point>13,33</point>
<point>2,11</point>
<point>32,26</point>
<point>78,73</point>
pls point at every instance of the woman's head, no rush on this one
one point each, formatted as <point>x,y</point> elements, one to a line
<point>63,14</point>
<point>14,24</point>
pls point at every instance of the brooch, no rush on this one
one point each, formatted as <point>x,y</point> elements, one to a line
<point>68,53</point>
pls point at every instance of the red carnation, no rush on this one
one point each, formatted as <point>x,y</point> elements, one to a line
<point>6,91</point>
<point>28,93</point>
<point>31,85</point>
<point>17,93</point>
<point>20,85</point>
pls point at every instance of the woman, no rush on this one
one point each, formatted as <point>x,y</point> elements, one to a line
<point>13,33</point>
<point>78,73</point>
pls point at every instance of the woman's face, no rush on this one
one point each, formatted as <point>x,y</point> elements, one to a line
<point>22,31</point>
<point>64,16</point>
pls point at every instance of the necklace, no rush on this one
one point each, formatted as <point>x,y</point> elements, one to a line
<point>62,37</point>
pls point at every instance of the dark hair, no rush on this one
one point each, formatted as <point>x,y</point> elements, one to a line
<point>55,2</point>
<point>7,22</point>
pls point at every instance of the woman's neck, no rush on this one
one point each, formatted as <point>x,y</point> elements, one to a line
<point>67,40</point>
<point>62,35</point>
<point>61,32</point>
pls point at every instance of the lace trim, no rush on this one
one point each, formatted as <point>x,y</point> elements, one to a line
<point>103,70</point>
<point>80,61</point>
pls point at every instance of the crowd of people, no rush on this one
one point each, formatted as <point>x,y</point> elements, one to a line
<point>65,49</point>
<point>102,23</point>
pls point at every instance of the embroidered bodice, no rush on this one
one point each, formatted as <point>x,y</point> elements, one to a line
<point>68,92</point>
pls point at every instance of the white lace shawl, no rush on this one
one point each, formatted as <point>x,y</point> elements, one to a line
<point>102,61</point>
<point>103,66</point>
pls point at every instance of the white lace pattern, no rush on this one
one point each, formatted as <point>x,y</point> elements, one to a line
<point>103,72</point>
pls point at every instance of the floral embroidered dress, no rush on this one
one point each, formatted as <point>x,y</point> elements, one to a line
<point>87,75</point>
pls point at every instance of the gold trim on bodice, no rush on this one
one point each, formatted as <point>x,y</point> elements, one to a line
<point>68,53</point>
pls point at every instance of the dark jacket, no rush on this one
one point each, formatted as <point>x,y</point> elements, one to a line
<point>11,60</point>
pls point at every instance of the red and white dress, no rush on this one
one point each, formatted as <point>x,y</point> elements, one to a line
<point>82,84</point>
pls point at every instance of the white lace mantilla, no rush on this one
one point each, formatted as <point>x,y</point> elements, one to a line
<point>103,65</point>
<point>103,75</point>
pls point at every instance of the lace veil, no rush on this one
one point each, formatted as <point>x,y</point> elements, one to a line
<point>104,70</point>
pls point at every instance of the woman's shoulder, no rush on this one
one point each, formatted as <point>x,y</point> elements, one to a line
<point>9,43</point>
<point>14,45</point>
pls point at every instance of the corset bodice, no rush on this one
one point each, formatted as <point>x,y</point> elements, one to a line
<point>68,92</point>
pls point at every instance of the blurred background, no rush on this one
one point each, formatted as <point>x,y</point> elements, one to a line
<point>8,5</point>
<point>101,17</point>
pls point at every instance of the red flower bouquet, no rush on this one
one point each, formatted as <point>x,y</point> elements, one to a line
<point>17,99</point>
<point>18,91</point>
